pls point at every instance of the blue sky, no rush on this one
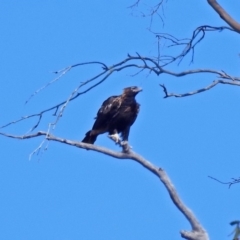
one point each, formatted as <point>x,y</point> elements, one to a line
<point>67,193</point>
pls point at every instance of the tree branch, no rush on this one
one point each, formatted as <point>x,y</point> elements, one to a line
<point>189,44</point>
<point>197,232</point>
<point>230,183</point>
<point>224,15</point>
<point>138,62</point>
<point>151,10</point>
<point>213,84</point>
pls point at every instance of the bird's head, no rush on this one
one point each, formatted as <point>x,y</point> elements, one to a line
<point>132,91</point>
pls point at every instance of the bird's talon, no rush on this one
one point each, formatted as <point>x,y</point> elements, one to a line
<point>115,137</point>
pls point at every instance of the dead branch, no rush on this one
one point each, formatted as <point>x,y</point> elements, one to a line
<point>63,104</point>
<point>213,84</point>
<point>151,10</point>
<point>49,83</point>
<point>213,3</point>
<point>197,36</point>
<point>189,44</point>
<point>197,232</point>
<point>230,183</point>
<point>138,62</point>
<point>224,15</point>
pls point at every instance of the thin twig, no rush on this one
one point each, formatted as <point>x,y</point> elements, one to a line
<point>230,183</point>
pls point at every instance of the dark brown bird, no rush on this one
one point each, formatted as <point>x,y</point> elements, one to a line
<point>116,115</point>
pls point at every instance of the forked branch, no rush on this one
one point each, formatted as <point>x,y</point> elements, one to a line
<point>135,62</point>
<point>187,45</point>
<point>154,10</point>
<point>213,84</point>
<point>229,183</point>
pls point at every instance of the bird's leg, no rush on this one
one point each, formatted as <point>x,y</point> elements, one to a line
<point>125,147</point>
<point>124,142</point>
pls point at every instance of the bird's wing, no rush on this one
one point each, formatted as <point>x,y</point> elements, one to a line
<point>110,106</point>
<point>107,112</point>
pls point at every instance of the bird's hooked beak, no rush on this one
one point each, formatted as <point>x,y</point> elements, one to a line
<point>137,90</point>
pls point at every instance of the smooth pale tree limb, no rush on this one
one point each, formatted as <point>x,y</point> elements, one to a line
<point>197,232</point>
<point>224,15</point>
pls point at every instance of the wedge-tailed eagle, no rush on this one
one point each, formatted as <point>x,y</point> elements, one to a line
<point>116,115</point>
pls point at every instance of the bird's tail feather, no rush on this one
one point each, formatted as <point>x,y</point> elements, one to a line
<point>89,138</point>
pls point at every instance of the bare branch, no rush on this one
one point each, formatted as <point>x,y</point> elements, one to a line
<point>213,84</point>
<point>197,36</point>
<point>62,72</point>
<point>230,183</point>
<point>37,150</point>
<point>224,15</point>
<point>151,10</point>
<point>188,43</point>
<point>138,62</point>
<point>74,95</point>
<point>197,232</point>
<point>134,4</point>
